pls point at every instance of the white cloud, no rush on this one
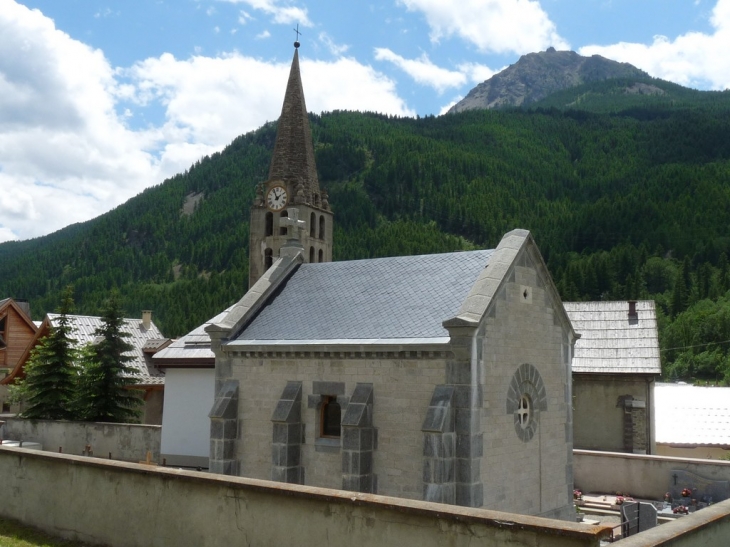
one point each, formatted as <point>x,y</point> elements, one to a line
<point>499,26</point>
<point>477,73</point>
<point>334,49</point>
<point>423,71</point>
<point>263,35</point>
<point>67,153</point>
<point>693,59</point>
<point>444,109</point>
<point>282,12</point>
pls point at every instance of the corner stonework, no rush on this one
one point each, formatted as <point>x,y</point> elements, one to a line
<point>359,440</point>
<point>288,436</point>
<point>224,430</point>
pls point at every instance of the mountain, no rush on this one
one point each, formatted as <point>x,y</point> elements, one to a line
<point>537,75</point>
<point>624,203</point>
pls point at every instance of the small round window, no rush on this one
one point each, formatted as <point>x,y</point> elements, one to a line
<point>526,399</point>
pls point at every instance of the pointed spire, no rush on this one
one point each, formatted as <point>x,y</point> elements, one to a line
<point>293,160</point>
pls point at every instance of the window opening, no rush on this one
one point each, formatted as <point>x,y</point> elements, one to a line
<point>268,258</point>
<point>330,417</point>
<point>269,224</point>
<point>311,254</point>
<point>312,225</point>
<point>524,411</point>
<point>321,227</point>
<point>321,255</point>
<point>282,229</point>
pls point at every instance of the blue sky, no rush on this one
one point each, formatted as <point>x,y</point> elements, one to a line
<point>99,100</point>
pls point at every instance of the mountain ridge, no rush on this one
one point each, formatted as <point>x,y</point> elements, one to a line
<point>535,76</point>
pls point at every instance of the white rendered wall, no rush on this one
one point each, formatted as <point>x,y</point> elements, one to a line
<point>185,423</point>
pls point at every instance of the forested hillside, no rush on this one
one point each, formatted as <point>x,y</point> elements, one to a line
<point>627,195</point>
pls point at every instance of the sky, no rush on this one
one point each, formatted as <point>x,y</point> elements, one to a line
<point>102,99</point>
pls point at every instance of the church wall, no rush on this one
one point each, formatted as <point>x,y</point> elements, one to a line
<point>599,413</point>
<point>526,471</point>
<point>402,389</point>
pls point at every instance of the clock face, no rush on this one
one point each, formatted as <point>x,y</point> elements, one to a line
<point>276,198</point>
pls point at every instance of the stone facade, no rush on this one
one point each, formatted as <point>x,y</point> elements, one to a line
<point>480,418</point>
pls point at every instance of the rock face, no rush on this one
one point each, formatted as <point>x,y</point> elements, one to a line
<point>537,75</point>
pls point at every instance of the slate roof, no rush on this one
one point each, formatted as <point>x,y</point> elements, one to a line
<point>85,326</point>
<point>194,346</point>
<point>403,298</point>
<point>610,342</point>
<point>692,415</point>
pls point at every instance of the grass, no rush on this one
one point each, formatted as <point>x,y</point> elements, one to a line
<point>15,534</point>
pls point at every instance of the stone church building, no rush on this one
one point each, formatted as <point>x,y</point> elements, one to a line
<point>438,377</point>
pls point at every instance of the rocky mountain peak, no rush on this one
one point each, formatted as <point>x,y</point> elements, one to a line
<point>536,75</point>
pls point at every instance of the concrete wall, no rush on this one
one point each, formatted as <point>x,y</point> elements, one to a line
<point>598,418</point>
<point>126,442</point>
<point>155,507</point>
<point>527,475</point>
<point>189,396</point>
<point>699,452</point>
<point>640,475</point>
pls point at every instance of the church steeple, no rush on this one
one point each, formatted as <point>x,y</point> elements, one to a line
<point>292,184</point>
<point>293,160</point>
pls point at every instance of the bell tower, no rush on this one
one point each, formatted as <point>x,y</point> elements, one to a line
<point>292,184</point>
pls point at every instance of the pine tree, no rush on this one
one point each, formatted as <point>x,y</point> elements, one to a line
<point>50,382</point>
<point>106,375</point>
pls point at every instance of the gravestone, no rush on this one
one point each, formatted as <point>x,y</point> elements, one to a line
<point>637,517</point>
<point>703,489</point>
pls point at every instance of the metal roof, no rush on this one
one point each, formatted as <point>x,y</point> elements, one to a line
<point>611,341</point>
<point>692,415</point>
<point>195,345</point>
<point>396,298</point>
<point>84,333</point>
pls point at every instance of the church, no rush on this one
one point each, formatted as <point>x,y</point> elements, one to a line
<point>442,377</point>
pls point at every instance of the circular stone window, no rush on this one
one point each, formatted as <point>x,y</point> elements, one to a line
<point>525,399</point>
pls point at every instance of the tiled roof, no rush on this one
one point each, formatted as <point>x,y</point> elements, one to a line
<point>692,415</point>
<point>195,345</point>
<point>405,297</point>
<point>610,341</point>
<point>85,326</point>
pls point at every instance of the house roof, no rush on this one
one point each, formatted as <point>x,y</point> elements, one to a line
<point>692,415</point>
<point>611,342</point>
<point>405,298</point>
<point>84,333</point>
<point>190,350</point>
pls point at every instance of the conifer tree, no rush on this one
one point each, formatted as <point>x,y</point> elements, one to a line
<point>106,374</point>
<point>49,386</point>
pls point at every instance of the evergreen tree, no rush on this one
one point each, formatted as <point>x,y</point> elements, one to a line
<point>50,381</point>
<point>106,375</point>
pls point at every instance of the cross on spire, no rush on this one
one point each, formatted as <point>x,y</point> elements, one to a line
<point>296,42</point>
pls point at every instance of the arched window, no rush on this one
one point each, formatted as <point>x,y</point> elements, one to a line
<point>311,255</point>
<point>268,258</point>
<point>282,229</point>
<point>312,225</point>
<point>321,256</point>
<point>321,227</point>
<point>269,224</point>
<point>330,417</point>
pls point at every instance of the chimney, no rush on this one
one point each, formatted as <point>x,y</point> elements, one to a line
<point>25,306</point>
<point>146,319</point>
<point>633,314</point>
